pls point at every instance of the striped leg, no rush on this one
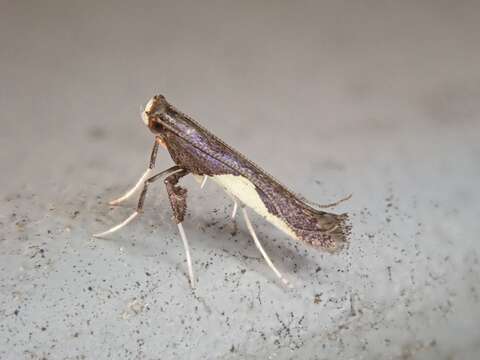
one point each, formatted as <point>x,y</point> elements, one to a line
<point>178,200</point>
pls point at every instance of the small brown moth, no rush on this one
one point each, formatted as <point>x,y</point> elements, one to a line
<point>196,151</point>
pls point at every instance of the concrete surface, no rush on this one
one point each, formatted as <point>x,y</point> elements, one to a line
<point>378,99</point>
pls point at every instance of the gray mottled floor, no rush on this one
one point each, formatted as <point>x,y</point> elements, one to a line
<point>375,99</point>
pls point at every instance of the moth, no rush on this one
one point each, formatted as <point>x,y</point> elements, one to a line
<point>196,151</point>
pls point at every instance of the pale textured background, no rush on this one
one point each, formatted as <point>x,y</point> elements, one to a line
<point>377,98</point>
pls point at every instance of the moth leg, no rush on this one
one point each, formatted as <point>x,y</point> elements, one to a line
<point>205,177</point>
<point>235,207</point>
<point>129,193</point>
<point>234,212</point>
<point>187,255</point>
<point>178,200</point>
<point>141,201</point>
<point>262,250</point>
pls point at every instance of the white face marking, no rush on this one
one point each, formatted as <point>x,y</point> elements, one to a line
<point>242,189</point>
<point>148,107</point>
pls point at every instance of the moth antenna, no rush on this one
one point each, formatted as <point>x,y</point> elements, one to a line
<point>187,254</point>
<point>130,192</point>
<point>205,177</point>
<point>117,227</point>
<point>141,199</point>
<point>262,250</point>
<point>140,182</point>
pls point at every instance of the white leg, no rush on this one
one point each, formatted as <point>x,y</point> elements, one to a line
<point>235,203</point>
<point>117,227</point>
<point>261,249</point>
<point>205,177</point>
<point>187,253</point>
<point>235,207</point>
<point>130,192</point>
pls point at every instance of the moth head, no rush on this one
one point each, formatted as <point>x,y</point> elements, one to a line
<point>155,106</point>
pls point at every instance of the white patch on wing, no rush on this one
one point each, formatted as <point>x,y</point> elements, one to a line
<point>148,107</point>
<point>242,189</point>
